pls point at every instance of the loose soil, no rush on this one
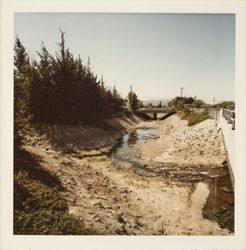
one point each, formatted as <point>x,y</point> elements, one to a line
<point>165,190</point>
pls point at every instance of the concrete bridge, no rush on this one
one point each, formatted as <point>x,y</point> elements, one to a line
<point>155,111</point>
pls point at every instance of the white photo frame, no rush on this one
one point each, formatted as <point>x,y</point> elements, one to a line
<point>8,241</point>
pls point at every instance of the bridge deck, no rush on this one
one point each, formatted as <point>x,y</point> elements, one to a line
<point>156,110</point>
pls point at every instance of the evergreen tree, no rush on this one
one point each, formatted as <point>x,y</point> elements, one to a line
<point>41,86</point>
<point>133,101</point>
<point>62,89</point>
<point>22,72</point>
<point>21,60</point>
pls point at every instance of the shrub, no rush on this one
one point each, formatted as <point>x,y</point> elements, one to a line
<point>38,206</point>
<point>196,118</point>
<point>46,222</point>
<point>193,117</point>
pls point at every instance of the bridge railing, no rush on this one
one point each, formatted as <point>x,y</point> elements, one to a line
<point>229,115</point>
<point>214,113</point>
<point>226,123</point>
<point>156,110</point>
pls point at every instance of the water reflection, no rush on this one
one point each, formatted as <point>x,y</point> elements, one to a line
<point>132,138</point>
<point>125,149</point>
<point>220,203</point>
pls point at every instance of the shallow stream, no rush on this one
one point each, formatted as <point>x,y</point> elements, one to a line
<point>213,181</point>
<point>126,150</point>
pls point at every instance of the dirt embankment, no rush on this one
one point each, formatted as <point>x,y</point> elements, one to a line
<point>116,199</point>
<point>70,139</point>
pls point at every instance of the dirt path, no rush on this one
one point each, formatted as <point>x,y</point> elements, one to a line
<point>116,199</point>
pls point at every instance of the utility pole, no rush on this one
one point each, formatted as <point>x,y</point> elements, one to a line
<point>181,90</point>
<point>214,100</point>
<point>131,88</point>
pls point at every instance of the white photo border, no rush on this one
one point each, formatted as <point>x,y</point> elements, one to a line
<point>8,241</point>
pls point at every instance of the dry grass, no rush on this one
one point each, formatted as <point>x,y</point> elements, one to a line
<point>192,117</point>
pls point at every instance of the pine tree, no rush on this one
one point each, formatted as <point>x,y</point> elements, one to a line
<point>133,101</point>
<point>41,86</point>
<point>117,101</point>
<point>62,89</point>
<point>21,60</point>
<point>22,74</point>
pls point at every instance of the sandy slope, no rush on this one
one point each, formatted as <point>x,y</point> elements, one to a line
<point>113,199</point>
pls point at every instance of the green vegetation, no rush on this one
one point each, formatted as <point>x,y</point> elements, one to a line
<point>225,104</point>
<point>151,105</point>
<point>57,90</point>
<point>38,206</point>
<point>181,102</point>
<point>60,89</point>
<point>134,102</point>
<point>224,216</point>
<point>193,117</point>
<point>22,73</point>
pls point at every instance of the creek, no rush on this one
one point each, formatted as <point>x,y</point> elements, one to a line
<point>218,203</point>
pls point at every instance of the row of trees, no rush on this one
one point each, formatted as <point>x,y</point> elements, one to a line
<point>59,89</point>
<point>180,102</point>
<point>224,104</point>
<point>151,105</point>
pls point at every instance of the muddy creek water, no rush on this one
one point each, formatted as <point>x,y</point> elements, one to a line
<point>211,184</point>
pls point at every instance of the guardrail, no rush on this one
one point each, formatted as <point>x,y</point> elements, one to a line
<point>226,122</point>
<point>229,115</point>
<point>214,113</point>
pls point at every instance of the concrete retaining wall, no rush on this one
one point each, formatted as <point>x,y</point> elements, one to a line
<point>229,139</point>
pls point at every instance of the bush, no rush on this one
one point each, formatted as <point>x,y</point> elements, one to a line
<point>194,118</point>
<point>198,117</point>
<point>38,206</point>
<point>185,113</point>
<point>36,195</point>
<point>46,222</point>
<point>180,102</point>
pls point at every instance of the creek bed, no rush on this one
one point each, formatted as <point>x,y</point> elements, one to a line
<point>125,149</point>
<point>219,203</point>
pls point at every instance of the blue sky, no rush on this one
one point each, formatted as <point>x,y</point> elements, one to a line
<point>156,54</point>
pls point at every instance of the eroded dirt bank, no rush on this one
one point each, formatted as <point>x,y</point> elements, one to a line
<point>120,197</point>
